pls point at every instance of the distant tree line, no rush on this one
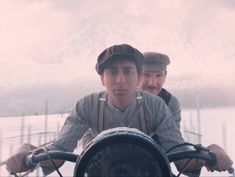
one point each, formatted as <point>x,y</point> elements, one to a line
<point>208,97</point>
<point>60,100</point>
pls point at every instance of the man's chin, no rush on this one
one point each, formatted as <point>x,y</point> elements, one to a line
<point>153,91</point>
<point>120,92</point>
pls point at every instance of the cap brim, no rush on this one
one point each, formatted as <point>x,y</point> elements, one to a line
<point>154,67</point>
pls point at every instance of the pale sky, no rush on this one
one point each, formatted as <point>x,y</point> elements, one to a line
<point>46,41</point>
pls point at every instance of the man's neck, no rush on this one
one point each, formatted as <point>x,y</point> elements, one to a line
<point>122,103</point>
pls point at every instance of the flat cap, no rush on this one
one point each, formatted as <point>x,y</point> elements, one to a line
<point>154,61</point>
<point>117,52</point>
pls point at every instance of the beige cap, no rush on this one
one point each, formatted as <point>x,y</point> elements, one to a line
<point>154,61</point>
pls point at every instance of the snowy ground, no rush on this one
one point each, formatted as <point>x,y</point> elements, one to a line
<point>217,126</point>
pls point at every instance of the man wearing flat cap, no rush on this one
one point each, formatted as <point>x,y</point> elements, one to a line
<point>154,77</point>
<point>119,105</point>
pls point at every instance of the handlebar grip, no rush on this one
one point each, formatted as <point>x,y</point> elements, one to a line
<point>212,161</point>
<point>33,159</point>
<point>28,161</point>
<point>231,170</point>
<point>208,157</point>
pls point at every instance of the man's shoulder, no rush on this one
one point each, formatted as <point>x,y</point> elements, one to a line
<point>174,98</point>
<point>93,96</point>
<point>96,94</point>
<point>168,92</point>
<point>154,104</point>
<point>149,97</point>
<point>172,102</point>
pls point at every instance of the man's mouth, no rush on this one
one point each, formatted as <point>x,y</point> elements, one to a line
<point>120,89</point>
<point>151,88</point>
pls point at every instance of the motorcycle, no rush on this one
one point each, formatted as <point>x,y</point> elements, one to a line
<point>124,152</point>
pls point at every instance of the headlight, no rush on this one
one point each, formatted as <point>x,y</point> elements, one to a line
<point>122,152</point>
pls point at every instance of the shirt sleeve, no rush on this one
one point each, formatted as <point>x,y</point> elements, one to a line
<point>74,127</point>
<point>167,131</point>
<point>169,135</point>
<point>174,106</point>
<point>87,137</point>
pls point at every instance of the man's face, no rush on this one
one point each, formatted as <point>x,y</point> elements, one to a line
<point>152,81</point>
<point>121,79</point>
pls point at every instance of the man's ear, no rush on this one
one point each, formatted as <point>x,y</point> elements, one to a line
<point>102,79</point>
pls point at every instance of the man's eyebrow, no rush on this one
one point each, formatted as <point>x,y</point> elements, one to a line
<point>110,66</point>
<point>129,67</point>
<point>125,67</point>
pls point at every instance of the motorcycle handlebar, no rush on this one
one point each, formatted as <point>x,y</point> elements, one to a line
<point>33,159</point>
<point>208,157</point>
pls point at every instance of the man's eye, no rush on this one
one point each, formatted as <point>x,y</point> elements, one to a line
<point>159,75</point>
<point>146,75</point>
<point>113,71</point>
<point>127,72</point>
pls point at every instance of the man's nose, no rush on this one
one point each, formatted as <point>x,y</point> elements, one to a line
<point>120,78</point>
<point>152,81</point>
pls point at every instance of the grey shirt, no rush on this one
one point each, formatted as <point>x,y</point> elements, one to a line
<point>174,106</point>
<point>84,116</point>
<point>159,121</point>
